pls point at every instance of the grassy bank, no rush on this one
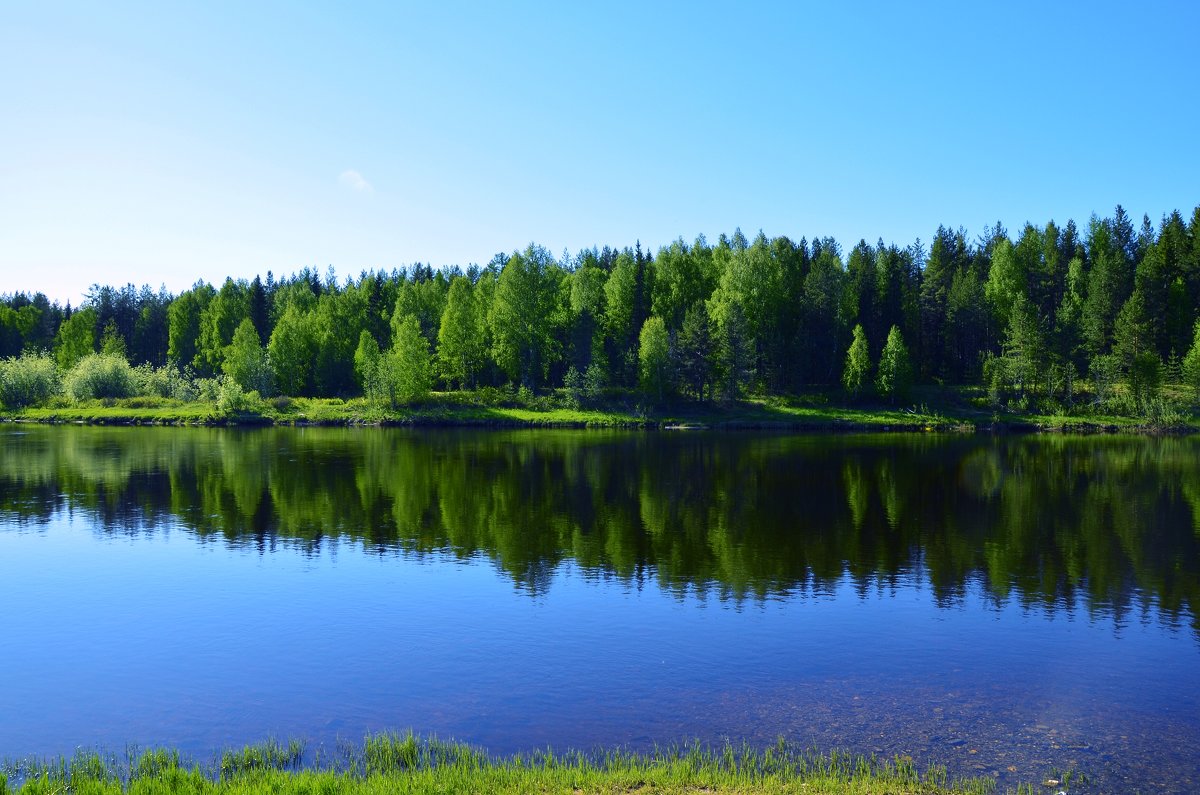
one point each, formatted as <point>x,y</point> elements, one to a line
<point>391,763</point>
<point>932,408</point>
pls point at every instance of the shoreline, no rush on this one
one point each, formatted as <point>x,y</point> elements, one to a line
<point>835,421</point>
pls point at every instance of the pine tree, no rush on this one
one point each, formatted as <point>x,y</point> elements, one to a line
<point>735,352</point>
<point>696,349</point>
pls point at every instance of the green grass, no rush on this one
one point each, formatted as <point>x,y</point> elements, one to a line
<point>395,763</point>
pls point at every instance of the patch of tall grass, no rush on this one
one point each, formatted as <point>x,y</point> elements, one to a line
<point>405,763</point>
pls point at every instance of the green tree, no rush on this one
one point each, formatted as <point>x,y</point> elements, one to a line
<point>1024,345</point>
<point>247,362</point>
<point>734,352</point>
<point>856,374</point>
<point>894,377</point>
<point>112,343</point>
<point>696,350</point>
<point>824,324</point>
<point>1132,333</point>
<point>292,348</point>
<point>587,314</point>
<point>183,325</point>
<point>409,365</point>
<point>620,302</point>
<point>335,323</point>
<point>460,345</point>
<point>76,338</point>
<point>218,321</point>
<point>524,314</point>
<point>654,359</point>
<point>367,358</point>
<point>1191,363</point>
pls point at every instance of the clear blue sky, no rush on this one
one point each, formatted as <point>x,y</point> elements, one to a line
<point>162,143</point>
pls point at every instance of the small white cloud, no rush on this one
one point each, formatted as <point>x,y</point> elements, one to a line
<point>353,180</point>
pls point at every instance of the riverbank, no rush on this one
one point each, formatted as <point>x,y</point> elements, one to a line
<point>941,410</point>
<point>391,763</point>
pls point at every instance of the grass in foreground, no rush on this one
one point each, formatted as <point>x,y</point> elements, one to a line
<point>393,763</point>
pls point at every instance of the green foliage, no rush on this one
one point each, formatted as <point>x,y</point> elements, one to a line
<point>894,379</point>
<point>366,365</point>
<point>768,315</point>
<point>734,352</point>
<point>654,359</point>
<point>1131,332</point>
<point>76,338</point>
<point>1191,362</point>
<point>99,375</point>
<point>292,349</point>
<point>112,343</point>
<point>232,399</point>
<point>1145,380</point>
<point>460,335</point>
<point>524,314</point>
<point>1104,370</point>
<point>183,325</point>
<point>218,321</point>
<point>697,350</point>
<point>167,381</point>
<point>573,386</point>
<point>246,363</point>
<point>18,329</point>
<point>620,299</point>
<point>595,379</point>
<point>408,368</point>
<point>29,380</point>
<point>857,372</point>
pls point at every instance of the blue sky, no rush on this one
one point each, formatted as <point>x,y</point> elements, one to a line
<point>163,143</point>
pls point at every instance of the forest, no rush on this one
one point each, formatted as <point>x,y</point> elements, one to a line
<point>1052,319</point>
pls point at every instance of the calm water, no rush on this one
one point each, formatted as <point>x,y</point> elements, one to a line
<point>1006,606</point>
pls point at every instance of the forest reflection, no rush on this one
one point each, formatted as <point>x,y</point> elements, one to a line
<point>1108,525</point>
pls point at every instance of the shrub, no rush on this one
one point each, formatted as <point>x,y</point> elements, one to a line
<point>232,399</point>
<point>27,381</point>
<point>100,375</point>
<point>168,381</point>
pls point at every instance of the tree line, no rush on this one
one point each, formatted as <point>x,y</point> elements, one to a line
<point>1052,315</point>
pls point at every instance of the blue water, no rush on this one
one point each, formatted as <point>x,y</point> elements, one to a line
<point>143,631</point>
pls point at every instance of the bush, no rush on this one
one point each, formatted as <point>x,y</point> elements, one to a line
<point>232,399</point>
<point>100,375</point>
<point>208,389</point>
<point>27,381</point>
<point>168,381</point>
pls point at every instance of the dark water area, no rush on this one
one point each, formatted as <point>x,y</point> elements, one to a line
<point>1010,607</point>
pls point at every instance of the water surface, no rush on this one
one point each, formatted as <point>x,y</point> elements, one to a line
<point>1007,606</point>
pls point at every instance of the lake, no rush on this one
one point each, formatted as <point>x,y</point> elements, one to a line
<point>1009,606</point>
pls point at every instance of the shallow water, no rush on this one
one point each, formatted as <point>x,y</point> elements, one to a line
<point>1007,606</point>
